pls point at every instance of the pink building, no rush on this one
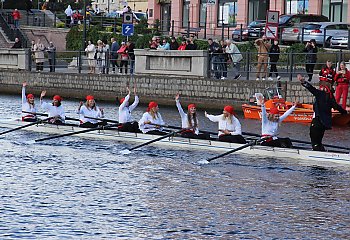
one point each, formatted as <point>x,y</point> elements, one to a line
<point>207,16</point>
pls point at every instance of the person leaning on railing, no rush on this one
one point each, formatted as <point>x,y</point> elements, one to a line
<point>235,57</point>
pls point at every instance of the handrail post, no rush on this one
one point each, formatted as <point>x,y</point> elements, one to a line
<point>205,28</point>
<point>241,32</point>
<point>27,18</point>
<point>107,62</point>
<point>30,59</point>
<point>44,19</point>
<point>54,19</point>
<point>188,29</point>
<point>291,66</point>
<point>172,28</point>
<point>114,25</point>
<point>302,34</point>
<point>248,65</point>
<point>324,37</point>
<point>79,62</point>
<point>222,29</point>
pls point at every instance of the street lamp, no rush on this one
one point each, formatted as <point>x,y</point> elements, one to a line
<point>84,29</point>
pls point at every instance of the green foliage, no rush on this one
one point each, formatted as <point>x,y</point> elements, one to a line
<point>143,41</point>
<point>60,25</point>
<point>142,27</point>
<point>202,44</point>
<point>74,39</point>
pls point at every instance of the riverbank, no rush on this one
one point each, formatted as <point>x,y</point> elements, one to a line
<point>205,92</point>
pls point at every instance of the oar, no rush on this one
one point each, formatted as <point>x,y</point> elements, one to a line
<point>102,119</point>
<point>45,115</point>
<point>24,126</point>
<point>237,149</point>
<point>299,141</point>
<point>78,132</point>
<point>127,151</point>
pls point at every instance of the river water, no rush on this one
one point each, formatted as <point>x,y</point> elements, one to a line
<point>72,188</point>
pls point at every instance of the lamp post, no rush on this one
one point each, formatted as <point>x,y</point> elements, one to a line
<point>84,29</point>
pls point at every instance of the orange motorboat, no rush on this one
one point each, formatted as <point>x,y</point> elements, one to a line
<point>303,113</point>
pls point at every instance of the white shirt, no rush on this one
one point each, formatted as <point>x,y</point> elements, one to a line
<point>90,51</point>
<point>271,128</point>
<point>26,107</point>
<point>147,127</point>
<point>234,127</point>
<point>89,112</point>
<point>53,111</point>
<point>184,118</point>
<point>125,111</point>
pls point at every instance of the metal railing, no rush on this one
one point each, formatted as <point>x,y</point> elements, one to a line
<point>12,32</point>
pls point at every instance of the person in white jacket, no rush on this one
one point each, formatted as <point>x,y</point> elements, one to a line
<point>88,112</point>
<point>235,56</point>
<point>90,52</point>
<point>151,121</point>
<point>55,109</point>
<point>189,121</point>
<point>127,123</point>
<point>229,126</point>
<point>28,106</point>
<point>270,123</point>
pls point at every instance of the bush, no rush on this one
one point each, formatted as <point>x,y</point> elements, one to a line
<point>60,25</point>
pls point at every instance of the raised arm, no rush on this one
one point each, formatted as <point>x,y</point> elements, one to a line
<point>24,97</point>
<point>179,107</point>
<point>286,114</point>
<point>136,101</point>
<point>212,117</point>
<point>126,99</point>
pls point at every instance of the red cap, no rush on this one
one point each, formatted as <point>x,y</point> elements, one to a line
<point>122,100</point>
<point>152,105</point>
<point>192,105</point>
<point>89,97</point>
<point>274,110</point>
<point>57,97</point>
<point>30,96</point>
<point>229,109</point>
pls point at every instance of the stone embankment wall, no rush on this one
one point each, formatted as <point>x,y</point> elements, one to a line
<point>206,93</point>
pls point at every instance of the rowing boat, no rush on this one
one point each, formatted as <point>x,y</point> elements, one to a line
<point>191,144</point>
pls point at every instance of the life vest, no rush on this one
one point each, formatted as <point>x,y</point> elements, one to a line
<point>327,75</point>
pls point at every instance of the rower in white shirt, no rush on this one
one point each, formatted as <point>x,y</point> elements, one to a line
<point>270,123</point>
<point>89,109</point>
<point>55,109</point>
<point>127,123</point>
<point>151,120</point>
<point>189,121</point>
<point>229,126</point>
<point>28,106</point>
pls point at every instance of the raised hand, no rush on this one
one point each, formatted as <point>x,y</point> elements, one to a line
<point>300,78</point>
<point>43,93</point>
<point>205,114</point>
<point>24,84</point>
<point>135,90</point>
<point>128,89</point>
<point>177,96</point>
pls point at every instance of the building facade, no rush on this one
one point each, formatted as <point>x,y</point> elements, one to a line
<point>216,15</point>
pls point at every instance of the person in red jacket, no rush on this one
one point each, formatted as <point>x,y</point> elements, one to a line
<point>342,79</point>
<point>16,17</point>
<point>327,74</point>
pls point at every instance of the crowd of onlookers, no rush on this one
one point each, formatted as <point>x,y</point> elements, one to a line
<point>38,55</point>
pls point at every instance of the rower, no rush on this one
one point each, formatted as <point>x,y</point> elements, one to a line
<point>189,121</point>
<point>151,120</point>
<point>28,106</point>
<point>323,104</point>
<point>229,126</point>
<point>127,124</point>
<point>55,109</point>
<point>88,111</point>
<point>270,123</point>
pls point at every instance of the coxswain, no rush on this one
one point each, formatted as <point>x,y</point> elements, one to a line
<point>322,120</point>
<point>327,74</point>
<point>28,106</point>
<point>230,129</point>
<point>270,123</point>
<point>189,121</point>
<point>55,109</point>
<point>127,124</point>
<point>342,79</point>
<point>88,112</point>
<point>151,121</point>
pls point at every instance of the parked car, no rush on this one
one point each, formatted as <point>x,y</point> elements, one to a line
<point>291,24</point>
<point>339,41</point>
<point>119,14</point>
<point>254,30</point>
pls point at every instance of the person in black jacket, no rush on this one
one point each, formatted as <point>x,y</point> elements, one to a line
<point>323,104</point>
<point>17,43</point>
<point>174,45</point>
<point>215,52</point>
<point>274,54</point>
<point>131,52</point>
<point>310,57</point>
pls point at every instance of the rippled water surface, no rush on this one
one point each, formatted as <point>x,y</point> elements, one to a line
<point>73,188</point>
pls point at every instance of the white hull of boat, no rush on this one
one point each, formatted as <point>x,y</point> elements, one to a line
<point>191,144</point>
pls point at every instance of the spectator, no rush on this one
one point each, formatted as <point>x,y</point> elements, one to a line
<point>97,9</point>
<point>123,52</point>
<point>32,50</point>
<point>182,46</point>
<point>76,17</point>
<point>235,57</point>
<point>174,45</point>
<point>106,50</point>
<point>91,55</point>
<point>39,49</point>
<point>193,42</point>
<point>263,48</point>
<point>29,6</point>
<point>153,44</point>
<point>125,9</point>
<point>274,54</point>
<point>16,17</point>
<point>131,47</point>
<point>17,43</point>
<point>342,79</point>
<point>214,57</point>
<point>164,46</point>
<point>310,57</point>
<point>190,45</point>
<point>114,54</point>
<point>69,14</point>
<point>100,56</point>
<point>327,74</point>
<point>45,5</point>
<point>223,59</point>
<point>51,54</point>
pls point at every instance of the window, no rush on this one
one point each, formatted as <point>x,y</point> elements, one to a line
<point>203,13</point>
<point>227,13</point>
<point>335,10</point>
<point>297,6</point>
<point>185,13</point>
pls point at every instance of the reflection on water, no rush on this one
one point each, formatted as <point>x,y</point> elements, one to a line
<point>78,189</point>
